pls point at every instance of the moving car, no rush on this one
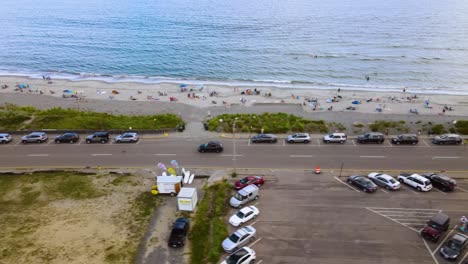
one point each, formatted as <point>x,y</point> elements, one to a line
<point>239,238</point>
<point>244,215</point>
<point>441,182</point>
<point>454,247</point>
<point>212,146</point>
<point>384,180</point>
<point>35,137</point>
<point>101,136</point>
<point>264,138</point>
<point>244,255</point>
<point>447,139</point>
<point>371,137</point>
<point>438,224</point>
<point>405,139</point>
<point>67,137</point>
<point>416,181</point>
<point>129,137</point>
<point>179,232</point>
<point>298,138</point>
<point>5,138</point>
<point>335,138</point>
<point>256,180</point>
<point>362,183</point>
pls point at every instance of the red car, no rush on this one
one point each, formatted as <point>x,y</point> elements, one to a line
<point>257,180</point>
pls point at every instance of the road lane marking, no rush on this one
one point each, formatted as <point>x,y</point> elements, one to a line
<point>300,156</point>
<point>429,249</point>
<point>347,184</point>
<point>162,154</point>
<point>461,189</point>
<point>441,157</point>
<point>101,154</point>
<point>230,155</point>
<point>376,157</point>
<point>441,243</point>
<point>38,155</point>
<point>369,208</point>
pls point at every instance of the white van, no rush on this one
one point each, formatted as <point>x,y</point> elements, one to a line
<point>244,195</point>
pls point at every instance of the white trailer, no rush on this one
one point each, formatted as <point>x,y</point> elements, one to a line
<point>187,199</point>
<point>169,184</point>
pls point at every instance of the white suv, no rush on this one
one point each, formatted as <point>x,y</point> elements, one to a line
<point>5,138</point>
<point>416,181</point>
<point>335,138</point>
<point>299,138</point>
<point>244,255</point>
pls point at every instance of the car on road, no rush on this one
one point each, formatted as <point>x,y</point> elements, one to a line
<point>298,138</point>
<point>244,215</point>
<point>405,139</point>
<point>212,146</point>
<point>35,137</point>
<point>416,181</point>
<point>239,238</point>
<point>256,180</point>
<point>454,247</point>
<point>335,138</point>
<point>362,183</point>
<point>434,228</point>
<point>447,139</point>
<point>179,232</point>
<point>264,138</point>
<point>371,137</point>
<point>384,180</point>
<point>100,136</point>
<point>67,138</point>
<point>129,137</point>
<point>5,138</point>
<point>441,181</point>
<point>244,255</point>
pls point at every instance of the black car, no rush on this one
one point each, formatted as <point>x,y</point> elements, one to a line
<point>212,146</point>
<point>179,232</point>
<point>67,138</point>
<point>362,183</point>
<point>371,137</point>
<point>440,181</point>
<point>264,138</point>
<point>454,247</point>
<point>405,139</point>
<point>100,136</point>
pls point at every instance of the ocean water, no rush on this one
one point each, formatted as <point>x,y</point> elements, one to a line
<point>420,45</point>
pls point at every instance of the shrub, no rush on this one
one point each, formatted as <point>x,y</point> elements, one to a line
<point>462,127</point>
<point>438,129</point>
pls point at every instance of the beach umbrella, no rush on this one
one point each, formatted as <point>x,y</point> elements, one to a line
<point>183,85</point>
<point>67,91</point>
<point>22,86</point>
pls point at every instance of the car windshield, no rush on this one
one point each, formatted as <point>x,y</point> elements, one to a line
<point>443,136</point>
<point>244,180</point>
<point>234,238</point>
<point>392,181</point>
<point>454,244</point>
<point>240,214</point>
<point>239,197</point>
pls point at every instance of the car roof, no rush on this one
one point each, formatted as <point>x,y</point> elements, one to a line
<point>338,134</point>
<point>37,133</point>
<point>301,134</point>
<point>4,134</point>
<point>385,176</point>
<point>130,133</point>
<point>460,237</point>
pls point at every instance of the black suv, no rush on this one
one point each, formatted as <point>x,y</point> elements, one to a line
<point>102,137</point>
<point>67,138</point>
<point>179,232</point>
<point>441,181</point>
<point>405,139</point>
<point>371,137</point>
<point>212,146</point>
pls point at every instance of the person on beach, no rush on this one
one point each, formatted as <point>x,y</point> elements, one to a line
<point>367,78</point>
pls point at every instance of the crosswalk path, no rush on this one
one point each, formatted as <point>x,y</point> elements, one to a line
<point>414,219</point>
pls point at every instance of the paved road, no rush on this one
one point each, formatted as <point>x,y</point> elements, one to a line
<point>147,152</point>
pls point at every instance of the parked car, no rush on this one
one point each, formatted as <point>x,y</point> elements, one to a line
<point>298,138</point>
<point>244,255</point>
<point>245,195</point>
<point>239,238</point>
<point>438,224</point>
<point>447,139</point>
<point>67,137</point>
<point>179,232</point>
<point>256,180</point>
<point>212,146</point>
<point>335,138</point>
<point>371,137</point>
<point>244,215</point>
<point>129,137</point>
<point>362,183</point>
<point>416,181</point>
<point>405,139</point>
<point>384,180</point>
<point>100,136</point>
<point>440,181</point>
<point>5,138</point>
<point>264,138</point>
<point>454,247</point>
<point>35,137</point>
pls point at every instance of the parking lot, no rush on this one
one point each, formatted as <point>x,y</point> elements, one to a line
<point>309,218</point>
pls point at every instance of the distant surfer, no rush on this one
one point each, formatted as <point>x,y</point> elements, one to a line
<point>367,78</point>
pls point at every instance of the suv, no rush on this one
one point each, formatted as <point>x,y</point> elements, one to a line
<point>371,137</point>
<point>441,181</point>
<point>67,137</point>
<point>179,232</point>
<point>335,138</point>
<point>102,137</point>
<point>5,138</point>
<point>438,224</point>
<point>405,139</point>
<point>454,247</point>
<point>244,255</point>
<point>129,137</point>
<point>416,181</point>
<point>264,138</point>
<point>35,137</point>
<point>299,138</point>
<point>447,139</point>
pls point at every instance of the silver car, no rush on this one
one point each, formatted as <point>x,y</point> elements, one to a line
<point>5,138</point>
<point>384,180</point>
<point>299,138</point>
<point>129,137</point>
<point>35,137</point>
<point>239,238</point>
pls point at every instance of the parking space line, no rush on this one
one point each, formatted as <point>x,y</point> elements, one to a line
<point>318,142</point>
<point>407,188</point>
<point>389,143</point>
<point>428,249</point>
<point>255,242</point>
<point>254,222</point>
<point>423,141</point>
<point>346,184</point>
<point>248,142</point>
<point>439,191</point>
<point>19,142</point>
<point>81,142</point>
<point>50,141</point>
<point>260,261</point>
<point>441,243</point>
<point>383,190</point>
<point>284,142</point>
<point>354,142</point>
<point>461,261</point>
<point>461,189</point>
<point>368,208</point>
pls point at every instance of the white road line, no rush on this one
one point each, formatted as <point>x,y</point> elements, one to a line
<point>138,142</point>
<point>161,154</point>
<point>230,155</point>
<point>318,142</point>
<point>411,209</point>
<point>461,261</point>
<point>300,156</point>
<point>397,219</point>
<point>255,242</point>
<point>461,189</point>
<point>428,249</point>
<point>50,141</point>
<point>103,154</point>
<point>441,243</point>
<point>354,142</point>
<point>383,190</point>
<point>248,142</point>
<point>377,157</point>
<point>389,143</point>
<point>409,189</point>
<point>347,184</point>
<point>423,141</point>
<point>81,142</point>
<point>254,222</point>
<point>439,191</point>
<point>440,157</point>
<point>368,208</point>
<point>260,261</point>
<point>38,155</point>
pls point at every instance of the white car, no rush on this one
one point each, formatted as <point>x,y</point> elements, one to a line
<point>298,138</point>
<point>416,181</point>
<point>384,180</point>
<point>5,138</point>
<point>244,255</point>
<point>335,138</point>
<point>239,238</point>
<point>244,215</point>
<point>127,137</point>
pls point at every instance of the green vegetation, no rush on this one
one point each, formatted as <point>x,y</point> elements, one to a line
<point>209,229</point>
<point>390,126</point>
<point>461,127</point>
<point>14,117</point>
<point>438,129</point>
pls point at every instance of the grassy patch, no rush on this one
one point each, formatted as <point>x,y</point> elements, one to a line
<point>461,127</point>
<point>390,126</point>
